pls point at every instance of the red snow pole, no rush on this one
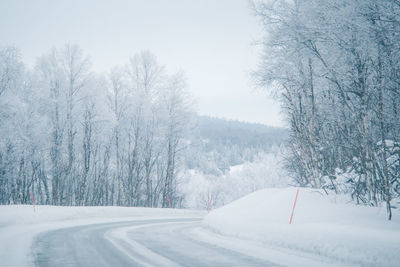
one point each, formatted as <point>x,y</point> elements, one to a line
<point>210,203</point>
<point>33,203</point>
<point>294,206</point>
<point>169,202</point>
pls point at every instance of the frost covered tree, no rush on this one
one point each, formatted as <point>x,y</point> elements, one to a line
<point>62,75</point>
<point>74,137</point>
<point>176,107</point>
<point>334,65</point>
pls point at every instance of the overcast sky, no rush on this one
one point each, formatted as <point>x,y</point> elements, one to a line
<point>210,40</point>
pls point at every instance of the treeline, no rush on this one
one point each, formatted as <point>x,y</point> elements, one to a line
<point>244,134</point>
<point>69,136</point>
<point>217,144</point>
<point>336,67</point>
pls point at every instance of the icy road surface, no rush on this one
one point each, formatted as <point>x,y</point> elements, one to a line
<point>154,242</point>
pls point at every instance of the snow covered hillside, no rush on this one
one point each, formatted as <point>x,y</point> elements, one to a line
<point>328,226</point>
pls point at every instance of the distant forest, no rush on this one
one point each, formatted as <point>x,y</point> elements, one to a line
<point>218,144</point>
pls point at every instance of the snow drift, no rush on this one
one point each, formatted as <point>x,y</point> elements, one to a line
<point>328,226</point>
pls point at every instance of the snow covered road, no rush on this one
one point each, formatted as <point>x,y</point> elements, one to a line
<point>154,242</point>
<point>252,231</point>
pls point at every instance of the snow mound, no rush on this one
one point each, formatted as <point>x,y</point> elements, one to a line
<point>330,227</point>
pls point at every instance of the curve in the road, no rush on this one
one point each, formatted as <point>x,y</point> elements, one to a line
<point>161,242</point>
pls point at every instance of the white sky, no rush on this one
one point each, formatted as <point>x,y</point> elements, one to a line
<point>210,40</point>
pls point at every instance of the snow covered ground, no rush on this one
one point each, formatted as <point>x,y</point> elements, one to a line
<point>252,231</point>
<point>327,228</point>
<point>19,224</point>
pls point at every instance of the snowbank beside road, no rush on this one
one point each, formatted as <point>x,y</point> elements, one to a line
<point>24,214</point>
<point>327,226</point>
<point>19,224</point>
